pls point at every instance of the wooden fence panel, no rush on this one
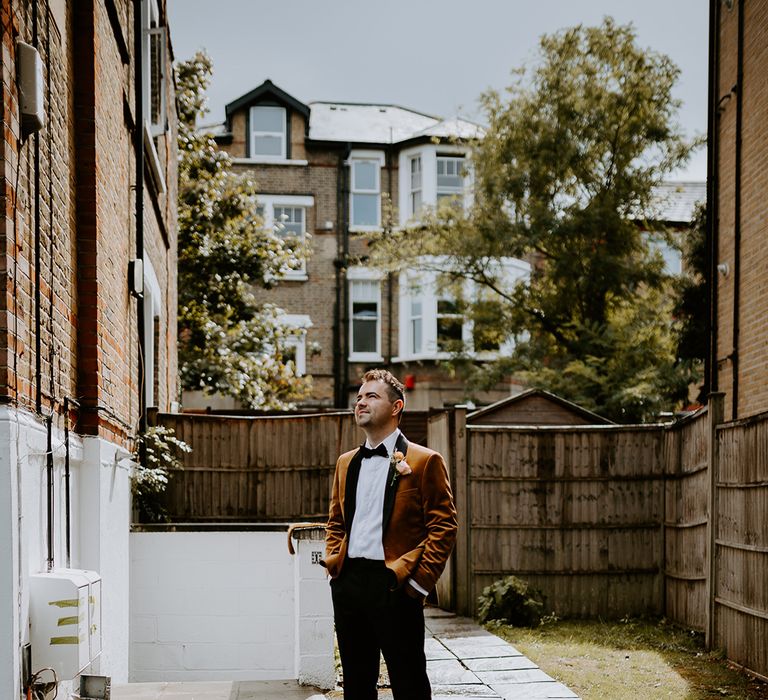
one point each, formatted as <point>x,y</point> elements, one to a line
<point>685,521</point>
<point>576,511</point>
<point>439,438</point>
<point>256,469</point>
<point>741,543</point>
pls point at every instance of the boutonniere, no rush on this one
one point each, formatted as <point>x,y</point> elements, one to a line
<point>399,466</point>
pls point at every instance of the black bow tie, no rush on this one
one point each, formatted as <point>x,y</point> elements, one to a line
<point>367,452</point>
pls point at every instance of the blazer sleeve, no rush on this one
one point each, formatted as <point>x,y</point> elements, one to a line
<point>440,521</point>
<point>335,529</point>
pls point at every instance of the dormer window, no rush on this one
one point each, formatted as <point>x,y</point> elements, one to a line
<point>268,132</point>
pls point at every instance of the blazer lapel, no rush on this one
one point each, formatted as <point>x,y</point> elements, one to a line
<point>350,489</point>
<point>391,488</point>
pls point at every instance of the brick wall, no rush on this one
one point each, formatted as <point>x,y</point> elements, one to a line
<point>749,355</point>
<point>82,213</point>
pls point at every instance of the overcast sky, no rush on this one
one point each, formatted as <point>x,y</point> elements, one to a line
<point>434,56</point>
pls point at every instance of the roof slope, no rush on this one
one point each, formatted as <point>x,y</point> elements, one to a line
<point>380,123</point>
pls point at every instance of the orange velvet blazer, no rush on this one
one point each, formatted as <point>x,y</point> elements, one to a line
<point>419,519</point>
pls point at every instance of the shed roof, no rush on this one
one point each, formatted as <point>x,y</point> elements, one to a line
<point>487,411</point>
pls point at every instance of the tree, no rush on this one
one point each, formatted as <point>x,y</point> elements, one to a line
<point>692,306</point>
<point>565,169</point>
<point>228,342</point>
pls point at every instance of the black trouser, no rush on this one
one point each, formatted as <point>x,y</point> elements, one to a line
<point>371,617</point>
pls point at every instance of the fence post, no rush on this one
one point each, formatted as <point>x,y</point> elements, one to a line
<point>463,574</point>
<point>715,413</point>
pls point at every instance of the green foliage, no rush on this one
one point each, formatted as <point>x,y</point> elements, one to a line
<point>159,447</point>
<point>511,600</point>
<point>692,304</point>
<point>229,343</point>
<point>562,175</point>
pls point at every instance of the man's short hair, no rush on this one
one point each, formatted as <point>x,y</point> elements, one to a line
<point>395,387</point>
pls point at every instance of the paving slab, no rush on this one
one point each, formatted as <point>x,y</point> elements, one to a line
<point>472,690</point>
<point>499,663</point>
<point>524,675</point>
<point>435,649</point>
<point>547,690</point>
<point>450,672</point>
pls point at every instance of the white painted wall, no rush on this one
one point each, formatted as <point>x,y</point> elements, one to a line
<point>100,521</point>
<point>211,606</point>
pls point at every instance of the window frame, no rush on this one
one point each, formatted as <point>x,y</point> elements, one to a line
<point>413,191</point>
<point>422,285</point>
<point>268,204</point>
<point>358,275</point>
<point>298,339</point>
<point>455,192</point>
<point>254,133</point>
<point>151,27</point>
<point>429,154</point>
<point>357,157</point>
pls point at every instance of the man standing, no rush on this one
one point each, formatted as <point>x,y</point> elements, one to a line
<point>391,527</point>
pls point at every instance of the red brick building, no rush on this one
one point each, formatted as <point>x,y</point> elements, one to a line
<point>334,171</point>
<point>88,196</point>
<point>738,211</point>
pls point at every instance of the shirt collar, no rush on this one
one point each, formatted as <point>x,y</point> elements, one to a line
<point>389,442</point>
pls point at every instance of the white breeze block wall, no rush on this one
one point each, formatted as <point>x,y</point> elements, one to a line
<point>211,606</point>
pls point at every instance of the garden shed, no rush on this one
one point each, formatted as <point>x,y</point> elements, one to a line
<point>535,407</point>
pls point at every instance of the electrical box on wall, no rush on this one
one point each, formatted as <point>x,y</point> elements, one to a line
<point>65,620</point>
<point>31,93</point>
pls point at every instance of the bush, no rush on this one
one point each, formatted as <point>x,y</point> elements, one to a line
<point>513,601</point>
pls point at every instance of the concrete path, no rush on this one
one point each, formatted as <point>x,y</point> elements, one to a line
<point>463,660</point>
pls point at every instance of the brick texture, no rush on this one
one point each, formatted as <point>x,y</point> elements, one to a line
<point>749,355</point>
<point>86,222</point>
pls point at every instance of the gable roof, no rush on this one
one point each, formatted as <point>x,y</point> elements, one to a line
<point>594,418</point>
<point>266,89</point>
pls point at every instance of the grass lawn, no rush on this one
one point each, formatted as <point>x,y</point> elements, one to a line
<point>637,659</point>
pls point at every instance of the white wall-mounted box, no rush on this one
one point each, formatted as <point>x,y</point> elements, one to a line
<point>65,620</point>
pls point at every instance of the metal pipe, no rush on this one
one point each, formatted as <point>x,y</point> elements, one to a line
<point>710,360</point>
<point>138,145</point>
<point>67,475</point>
<point>49,490</point>
<point>37,246</point>
<point>737,213</point>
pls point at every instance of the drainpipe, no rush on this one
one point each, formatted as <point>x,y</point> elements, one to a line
<point>138,145</point>
<point>390,275</point>
<point>737,212</point>
<point>337,264</point>
<point>713,122</point>
<point>340,334</point>
<point>38,312</point>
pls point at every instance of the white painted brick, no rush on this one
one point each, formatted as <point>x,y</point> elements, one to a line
<point>267,657</point>
<point>210,657</point>
<point>316,636</point>
<point>157,656</point>
<point>315,598</point>
<point>158,600</point>
<point>262,546</point>
<point>143,628</point>
<point>212,601</point>
<point>264,628</point>
<point>195,628</point>
<point>252,601</point>
<point>318,671</point>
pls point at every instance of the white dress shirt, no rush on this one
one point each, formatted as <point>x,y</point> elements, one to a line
<point>365,540</point>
